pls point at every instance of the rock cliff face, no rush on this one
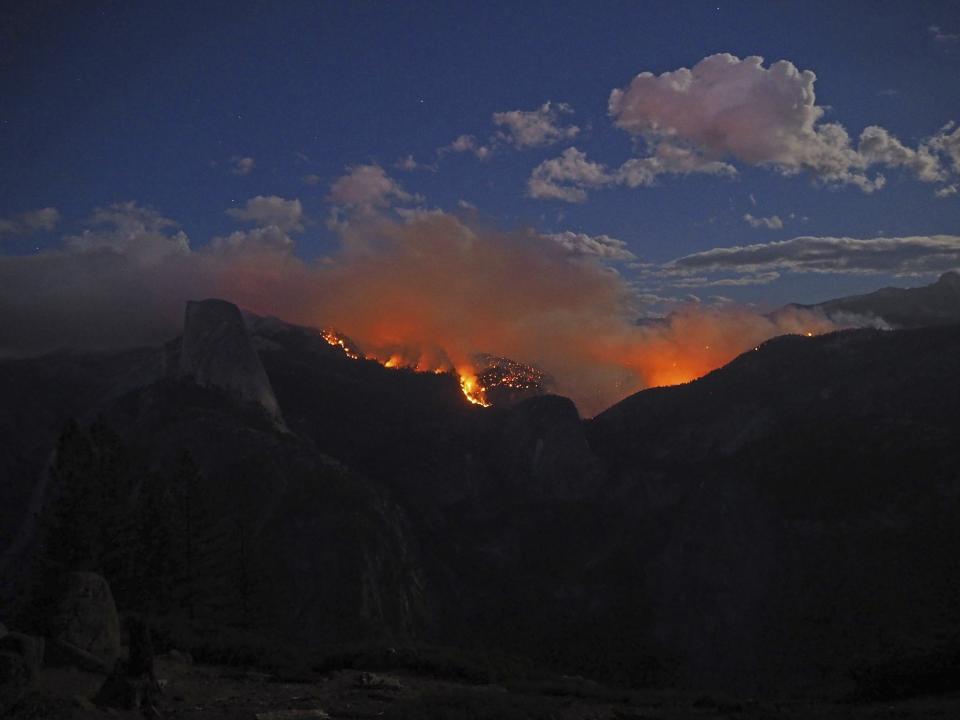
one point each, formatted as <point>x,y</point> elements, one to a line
<point>217,353</point>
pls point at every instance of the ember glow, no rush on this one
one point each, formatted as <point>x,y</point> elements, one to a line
<point>472,390</point>
<point>437,293</point>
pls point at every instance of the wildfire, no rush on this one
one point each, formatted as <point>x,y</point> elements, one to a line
<point>472,390</point>
<point>337,340</point>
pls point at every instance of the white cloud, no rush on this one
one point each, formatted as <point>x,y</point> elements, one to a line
<point>466,143</point>
<point>242,165</point>
<point>567,176</point>
<point>366,186</point>
<point>947,141</point>
<point>764,278</point>
<point>139,234</point>
<point>264,211</point>
<point>30,222</point>
<point>946,191</point>
<point>914,255</point>
<point>771,223</point>
<point>877,146</point>
<point>260,239</point>
<point>725,107</point>
<point>669,160</point>
<point>538,127</point>
<point>599,246</point>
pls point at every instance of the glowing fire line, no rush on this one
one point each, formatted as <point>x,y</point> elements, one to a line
<point>472,390</point>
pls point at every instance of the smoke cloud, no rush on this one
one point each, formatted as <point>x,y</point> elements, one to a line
<point>433,289</point>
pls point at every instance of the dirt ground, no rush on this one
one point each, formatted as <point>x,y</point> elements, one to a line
<point>208,692</point>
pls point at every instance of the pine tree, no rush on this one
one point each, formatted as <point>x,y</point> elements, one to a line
<point>193,533</point>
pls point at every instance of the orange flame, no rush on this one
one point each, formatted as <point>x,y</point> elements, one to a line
<point>433,292</point>
<point>472,390</point>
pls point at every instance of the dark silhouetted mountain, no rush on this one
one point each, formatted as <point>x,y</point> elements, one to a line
<point>934,304</point>
<point>800,504</point>
<point>787,521</point>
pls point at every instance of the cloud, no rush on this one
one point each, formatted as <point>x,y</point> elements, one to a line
<point>140,234</point>
<point>946,191</point>
<point>569,176</point>
<point>535,128</point>
<point>947,141</point>
<point>366,186</point>
<point>877,146</point>
<point>312,179</point>
<point>264,211</point>
<point>944,38</point>
<point>764,278</point>
<point>771,223</point>
<point>466,143</point>
<point>725,107</point>
<point>242,165</point>
<point>30,222</point>
<point>598,246</point>
<point>259,239</point>
<point>669,160</point>
<point>432,289</point>
<point>124,280</point>
<point>916,255</point>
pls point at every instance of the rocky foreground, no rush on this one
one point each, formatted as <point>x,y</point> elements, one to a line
<point>195,691</point>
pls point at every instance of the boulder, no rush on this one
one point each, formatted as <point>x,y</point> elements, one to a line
<point>85,617</point>
<point>30,648</point>
<point>21,657</point>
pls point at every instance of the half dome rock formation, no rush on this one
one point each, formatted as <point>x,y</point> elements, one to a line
<point>217,353</point>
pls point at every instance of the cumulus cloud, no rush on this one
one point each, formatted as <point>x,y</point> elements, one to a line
<point>877,146</point>
<point>268,238</point>
<point>466,143</point>
<point>947,141</point>
<point>946,191</point>
<point>669,160</point>
<point>725,107</point>
<point>533,128</point>
<point>30,222</point>
<point>366,186</point>
<point>598,246</point>
<point>915,255</point>
<point>264,211</point>
<point>569,176</point>
<point>242,165</point>
<point>771,223</point>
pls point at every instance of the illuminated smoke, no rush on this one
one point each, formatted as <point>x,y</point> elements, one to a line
<point>432,292</point>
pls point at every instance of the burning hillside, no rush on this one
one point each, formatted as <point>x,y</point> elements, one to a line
<point>429,291</point>
<point>486,381</point>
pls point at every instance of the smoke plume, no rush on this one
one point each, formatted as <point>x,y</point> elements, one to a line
<point>430,291</point>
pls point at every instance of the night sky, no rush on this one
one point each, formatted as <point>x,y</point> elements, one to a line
<point>822,124</point>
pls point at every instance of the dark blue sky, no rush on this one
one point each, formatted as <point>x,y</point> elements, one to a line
<point>156,103</point>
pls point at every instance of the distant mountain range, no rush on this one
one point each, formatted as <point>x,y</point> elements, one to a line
<point>784,523</point>
<point>934,304</point>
